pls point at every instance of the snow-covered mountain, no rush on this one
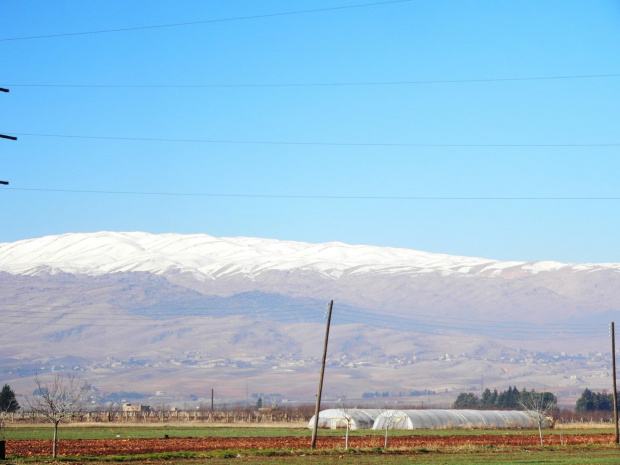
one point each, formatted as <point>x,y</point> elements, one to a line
<point>359,275</point>
<point>213,257</point>
<point>254,306</point>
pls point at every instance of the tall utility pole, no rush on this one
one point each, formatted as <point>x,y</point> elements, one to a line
<point>318,396</point>
<point>613,370</point>
<point>5,183</point>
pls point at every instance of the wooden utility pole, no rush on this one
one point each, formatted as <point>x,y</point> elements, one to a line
<point>613,370</point>
<point>2,136</point>
<point>318,396</point>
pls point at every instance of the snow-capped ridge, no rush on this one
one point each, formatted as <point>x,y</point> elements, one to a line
<point>213,257</point>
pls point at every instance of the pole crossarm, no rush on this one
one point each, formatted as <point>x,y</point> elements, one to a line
<point>6,183</point>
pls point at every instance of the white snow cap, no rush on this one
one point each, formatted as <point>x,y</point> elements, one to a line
<point>212,257</point>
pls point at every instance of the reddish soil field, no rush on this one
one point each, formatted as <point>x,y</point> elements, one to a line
<point>142,446</point>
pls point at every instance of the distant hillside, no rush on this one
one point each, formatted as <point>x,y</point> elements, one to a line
<point>143,312</point>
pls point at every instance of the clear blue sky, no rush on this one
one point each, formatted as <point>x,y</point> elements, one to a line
<point>477,43</point>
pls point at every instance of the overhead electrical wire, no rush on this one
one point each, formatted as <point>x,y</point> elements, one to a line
<point>352,316</point>
<point>493,335</point>
<point>176,311</point>
<point>292,313</point>
<point>417,318</point>
<point>248,311</point>
<point>507,326</point>
<point>208,21</point>
<point>380,323</point>
<point>312,197</point>
<point>47,308</point>
<point>416,315</point>
<point>470,324</point>
<point>422,329</point>
<point>156,317</point>
<point>154,323</point>
<point>318,84</point>
<point>318,143</point>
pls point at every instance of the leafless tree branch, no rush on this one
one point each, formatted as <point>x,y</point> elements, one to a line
<point>57,400</point>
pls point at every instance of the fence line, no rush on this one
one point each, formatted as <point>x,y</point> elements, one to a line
<point>162,416</point>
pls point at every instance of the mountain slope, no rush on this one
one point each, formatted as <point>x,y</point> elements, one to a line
<point>363,276</point>
<point>173,310</point>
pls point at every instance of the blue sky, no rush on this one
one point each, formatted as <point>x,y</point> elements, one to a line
<point>518,139</point>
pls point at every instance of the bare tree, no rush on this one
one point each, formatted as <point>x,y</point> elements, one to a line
<point>57,400</point>
<point>390,421</point>
<point>538,406</point>
<point>347,412</point>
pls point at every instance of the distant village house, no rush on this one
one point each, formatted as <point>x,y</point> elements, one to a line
<point>136,408</point>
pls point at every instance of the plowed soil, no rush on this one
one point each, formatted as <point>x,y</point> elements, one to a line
<point>86,447</point>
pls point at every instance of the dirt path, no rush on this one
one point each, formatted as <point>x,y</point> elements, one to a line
<point>87,447</point>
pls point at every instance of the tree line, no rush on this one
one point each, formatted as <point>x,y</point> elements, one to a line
<point>377,394</point>
<point>509,399</point>
<point>512,398</point>
<point>595,401</point>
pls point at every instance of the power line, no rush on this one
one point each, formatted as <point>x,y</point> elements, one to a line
<point>329,144</point>
<point>402,323</point>
<point>181,311</point>
<point>46,309</point>
<point>318,84</point>
<point>313,197</point>
<point>153,324</point>
<point>455,322</point>
<point>493,335</point>
<point>287,313</point>
<point>415,328</point>
<point>379,322</point>
<point>208,21</point>
<point>416,316</point>
<point>3,136</point>
<point>129,315</point>
<point>412,319</point>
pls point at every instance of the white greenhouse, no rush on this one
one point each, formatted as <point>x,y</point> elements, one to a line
<point>430,419</point>
<point>337,418</point>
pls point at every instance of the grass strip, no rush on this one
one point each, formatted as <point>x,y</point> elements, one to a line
<point>153,432</point>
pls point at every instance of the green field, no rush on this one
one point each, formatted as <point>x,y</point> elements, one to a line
<point>158,431</point>
<point>590,455</point>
